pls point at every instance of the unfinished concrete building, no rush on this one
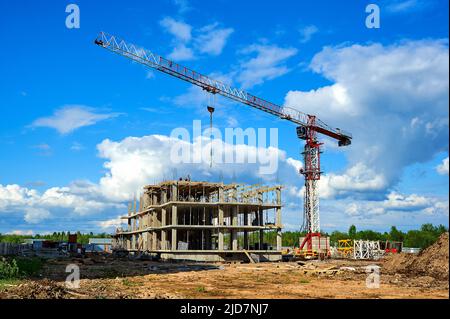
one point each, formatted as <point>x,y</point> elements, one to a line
<point>204,221</point>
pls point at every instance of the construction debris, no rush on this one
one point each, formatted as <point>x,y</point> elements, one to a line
<point>432,261</point>
<point>42,289</point>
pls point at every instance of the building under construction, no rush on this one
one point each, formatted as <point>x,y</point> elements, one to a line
<point>204,221</point>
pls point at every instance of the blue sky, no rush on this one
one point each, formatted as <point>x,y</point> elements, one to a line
<point>69,108</point>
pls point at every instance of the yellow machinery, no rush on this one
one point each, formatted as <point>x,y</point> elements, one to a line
<point>345,248</point>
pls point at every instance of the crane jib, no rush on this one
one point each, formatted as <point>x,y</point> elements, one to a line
<point>161,64</point>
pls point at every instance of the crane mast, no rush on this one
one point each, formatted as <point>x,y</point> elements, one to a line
<point>308,125</point>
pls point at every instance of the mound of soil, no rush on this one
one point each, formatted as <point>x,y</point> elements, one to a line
<point>42,289</point>
<point>432,261</point>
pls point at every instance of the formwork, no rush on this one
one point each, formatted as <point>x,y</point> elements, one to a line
<point>204,221</point>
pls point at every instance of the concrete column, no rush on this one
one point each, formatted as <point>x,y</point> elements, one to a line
<point>174,231</point>
<point>220,229</point>
<point>174,192</point>
<point>278,220</point>
<point>245,232</point>
<point>154,240</point>
<point>163,232</point>
<point>146,201</point>
<point>234,220</point>
<point>163,220</point>
<point>220,244</point>
<point>147,245</point>
<point>261,221</point>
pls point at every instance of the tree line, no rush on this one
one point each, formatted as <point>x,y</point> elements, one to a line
<point>420,238</point>
<point>82,238</point>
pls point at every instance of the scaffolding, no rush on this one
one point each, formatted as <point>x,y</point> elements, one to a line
<point>204,221</point>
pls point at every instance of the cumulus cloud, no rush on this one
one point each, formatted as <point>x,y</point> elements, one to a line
<point>396,202</point>
<point>397,110</point>
<point>71,117</point>
<point>79,198</point>
<point>188,42</point>
<point>136,161</point>
<point>212,39</point>
<point>111,224</point>
<point>268,62</point>
<point>178,29</point>
<point>36,215</point>
<point>443,167</point>
<point>181,53</point>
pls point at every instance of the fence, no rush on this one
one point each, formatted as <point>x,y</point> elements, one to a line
<point>13,249</point>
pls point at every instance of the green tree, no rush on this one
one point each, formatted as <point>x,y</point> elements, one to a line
<point>352,232</point>
<point>396,235</point>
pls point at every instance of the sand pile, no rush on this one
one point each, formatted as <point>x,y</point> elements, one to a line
<point>432,261</point>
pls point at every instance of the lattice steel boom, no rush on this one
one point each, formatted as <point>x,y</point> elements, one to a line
<point>308,125</point>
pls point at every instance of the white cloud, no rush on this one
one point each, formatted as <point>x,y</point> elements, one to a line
<point>183,5</point>
<point>399,201</point>
<point>267,63</point>
<point>111,224</point>
<point>79,198</point>
<point>188,42</point>
<point>443,167</point>
<point>181,53</point>
<point>395,202</point>
<point>71,117</point>
<point>179,29</point>
<point>15,196</point>
<point>403,6</point>
<point>397,111</point>
<point>307,32</point>
<point>21,232</point>
<point>36,215</point>
<point>137,161</point>
<point>212,39</point>
<point>76,147</point>
<point>357,180</point>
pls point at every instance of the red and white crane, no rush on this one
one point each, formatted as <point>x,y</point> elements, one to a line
<point>307,129</point>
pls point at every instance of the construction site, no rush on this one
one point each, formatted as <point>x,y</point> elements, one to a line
<point>402,275</point>
<point>209,239</point>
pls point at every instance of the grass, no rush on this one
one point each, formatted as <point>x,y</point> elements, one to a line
<point>200,289</point>
<point>304,281</point>
<point>127,282</point>
<point>5,283</point>
<point>29,266</point>
<point>19,267</point>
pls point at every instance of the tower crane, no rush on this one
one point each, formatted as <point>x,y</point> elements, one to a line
<point>308,126</point>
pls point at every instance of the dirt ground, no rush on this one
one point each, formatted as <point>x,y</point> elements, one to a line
<point>106,277</point>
